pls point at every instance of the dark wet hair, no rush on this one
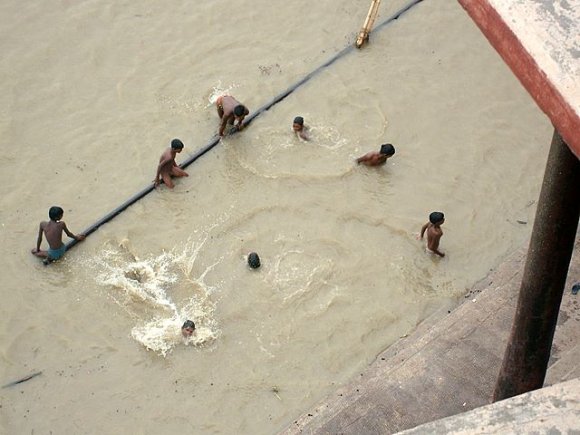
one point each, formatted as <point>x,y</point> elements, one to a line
<point>240,110</point>
<point>188,324</point>
<point>55,213</point>
<point>436,217</point>
<point>253,260</point>
<point>387,149</point>
<point>176,144</point>
<point>299,120</point>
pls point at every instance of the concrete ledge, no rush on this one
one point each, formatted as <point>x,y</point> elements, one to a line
<point>553,409</point>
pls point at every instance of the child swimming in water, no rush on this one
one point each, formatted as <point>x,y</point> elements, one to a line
<point>376,158</point>
<point>299,128</point>
<point>188,328</point>
<point>253,260</point>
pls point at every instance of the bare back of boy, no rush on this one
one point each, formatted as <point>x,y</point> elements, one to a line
<point>53,230</point>
<point>225,106</point>
<point>53,233</point>
<point>434,234</point>
<point>373,158</point>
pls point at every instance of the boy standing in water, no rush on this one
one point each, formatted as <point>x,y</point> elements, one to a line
<point>167,167</point>
<point>299,129</point>
<point>376,158</point>
<point>53,231</point>
<point>230,110</point>
<point>434,232</point>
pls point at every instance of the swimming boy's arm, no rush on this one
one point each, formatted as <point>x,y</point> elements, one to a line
<point>363,158</point>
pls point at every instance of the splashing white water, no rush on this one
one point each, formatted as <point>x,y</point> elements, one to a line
<point>218,91</point>
<point>147,289</point>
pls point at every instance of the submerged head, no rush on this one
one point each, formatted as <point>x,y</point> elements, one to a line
<point>437,218</point>
<point>240,110</point>
<point>188,328</point>
<point>387,149</point>
<point>176,145</point>
<point>298,123</point>
<point>55,213</point>
<point>253,260</point>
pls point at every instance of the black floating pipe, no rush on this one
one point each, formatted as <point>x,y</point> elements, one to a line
<point>216,139</point>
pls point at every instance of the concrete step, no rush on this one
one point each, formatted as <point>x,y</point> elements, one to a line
<point>550,410</point>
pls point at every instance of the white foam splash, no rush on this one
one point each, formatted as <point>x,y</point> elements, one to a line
<point>146,286</point>
<point>218,91</point>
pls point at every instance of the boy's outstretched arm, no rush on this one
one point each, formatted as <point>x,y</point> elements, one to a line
<point>71,235</point>
<point>364,158</point>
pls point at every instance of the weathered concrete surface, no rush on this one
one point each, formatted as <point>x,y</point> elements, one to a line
<point>539,40</point>
<point>449,365</point>
<point>554,410</point>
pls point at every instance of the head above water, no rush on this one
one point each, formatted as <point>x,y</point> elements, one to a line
<point>176,144</point>
<point>437,217</point>
<point>188,328</point>
<point>188,324</point>
<point>240,110</point>
<point>253,260</point>
<point>387,149</point>
<point>55,213</point>
<point>298,123</point>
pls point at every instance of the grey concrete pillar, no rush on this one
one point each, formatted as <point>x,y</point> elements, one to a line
<point>528,350</point>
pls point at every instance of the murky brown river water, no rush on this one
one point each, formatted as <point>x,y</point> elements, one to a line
<point>93,91</point>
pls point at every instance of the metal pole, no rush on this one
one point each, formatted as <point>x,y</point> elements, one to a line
<point>528,350</point>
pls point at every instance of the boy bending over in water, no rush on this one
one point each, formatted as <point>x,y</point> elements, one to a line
<point>299,129</point>
<point>230,110</point>
<point>376,158</point>
<point>53,231</point>
<point>167,167</point>
<point>434,232</point>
